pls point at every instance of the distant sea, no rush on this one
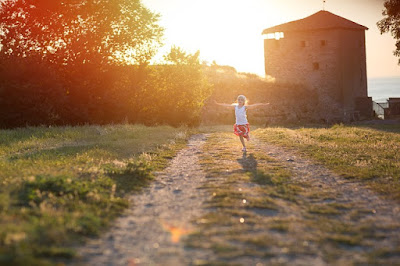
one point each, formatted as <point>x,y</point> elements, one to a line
<point>380,89</point>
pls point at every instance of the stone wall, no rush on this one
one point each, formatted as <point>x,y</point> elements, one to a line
<point>394,107</point>
<point>363,106</point>
<point>353,67</point>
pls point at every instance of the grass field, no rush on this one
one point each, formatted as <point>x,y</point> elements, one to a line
<point>59,185</point>
<point>369,154</point>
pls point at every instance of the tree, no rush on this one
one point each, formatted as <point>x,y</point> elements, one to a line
<point>391,22</point>
<point>80,31</point>
<point>59,58</point>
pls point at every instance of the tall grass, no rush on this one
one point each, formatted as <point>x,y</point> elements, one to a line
<point>61,184</point>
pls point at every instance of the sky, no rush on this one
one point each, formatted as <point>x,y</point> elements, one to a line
<point>229,31</point>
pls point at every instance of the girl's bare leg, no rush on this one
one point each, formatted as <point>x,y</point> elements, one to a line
<point>242,141</point>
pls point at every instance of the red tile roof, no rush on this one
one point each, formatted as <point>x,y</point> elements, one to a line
<point>320,20</point>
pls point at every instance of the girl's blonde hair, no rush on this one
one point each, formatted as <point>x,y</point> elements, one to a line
<point>242,97</point>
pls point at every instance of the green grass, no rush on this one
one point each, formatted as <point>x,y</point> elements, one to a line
<point>60,185</point>
<point>369,154</point>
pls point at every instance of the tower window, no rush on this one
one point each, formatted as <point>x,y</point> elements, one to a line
<point>304,44</point>
<point>323,42</point>
<point>315,66</point>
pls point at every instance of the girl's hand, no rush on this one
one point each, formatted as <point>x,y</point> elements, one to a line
<point>251,106</point>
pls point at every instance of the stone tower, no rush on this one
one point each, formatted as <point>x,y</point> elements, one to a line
<point>326,53</point>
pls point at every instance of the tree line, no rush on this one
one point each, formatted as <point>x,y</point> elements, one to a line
<point>71,62</point>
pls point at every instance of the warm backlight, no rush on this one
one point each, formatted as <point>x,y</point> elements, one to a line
<point>228,32</point>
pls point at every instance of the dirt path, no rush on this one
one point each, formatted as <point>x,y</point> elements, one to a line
<point>150,231</point>
<point>217,200</point>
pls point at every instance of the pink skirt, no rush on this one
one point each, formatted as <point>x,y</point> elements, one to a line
<point>242,130</point>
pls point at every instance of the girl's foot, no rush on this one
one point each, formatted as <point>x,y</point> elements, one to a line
<point>244,150</point>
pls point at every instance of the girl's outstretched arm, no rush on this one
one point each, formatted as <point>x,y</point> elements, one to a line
<point>251,106</point>
<point>223,104</point>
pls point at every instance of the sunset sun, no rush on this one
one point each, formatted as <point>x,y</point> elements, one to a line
<point>222,30</point>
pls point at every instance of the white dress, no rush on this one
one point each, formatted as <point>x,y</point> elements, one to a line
<point>241,116</point>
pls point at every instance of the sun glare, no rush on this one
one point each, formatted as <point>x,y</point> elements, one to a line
<point>276,35</point>
<point>228,32</point>
<point>175,231</point>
